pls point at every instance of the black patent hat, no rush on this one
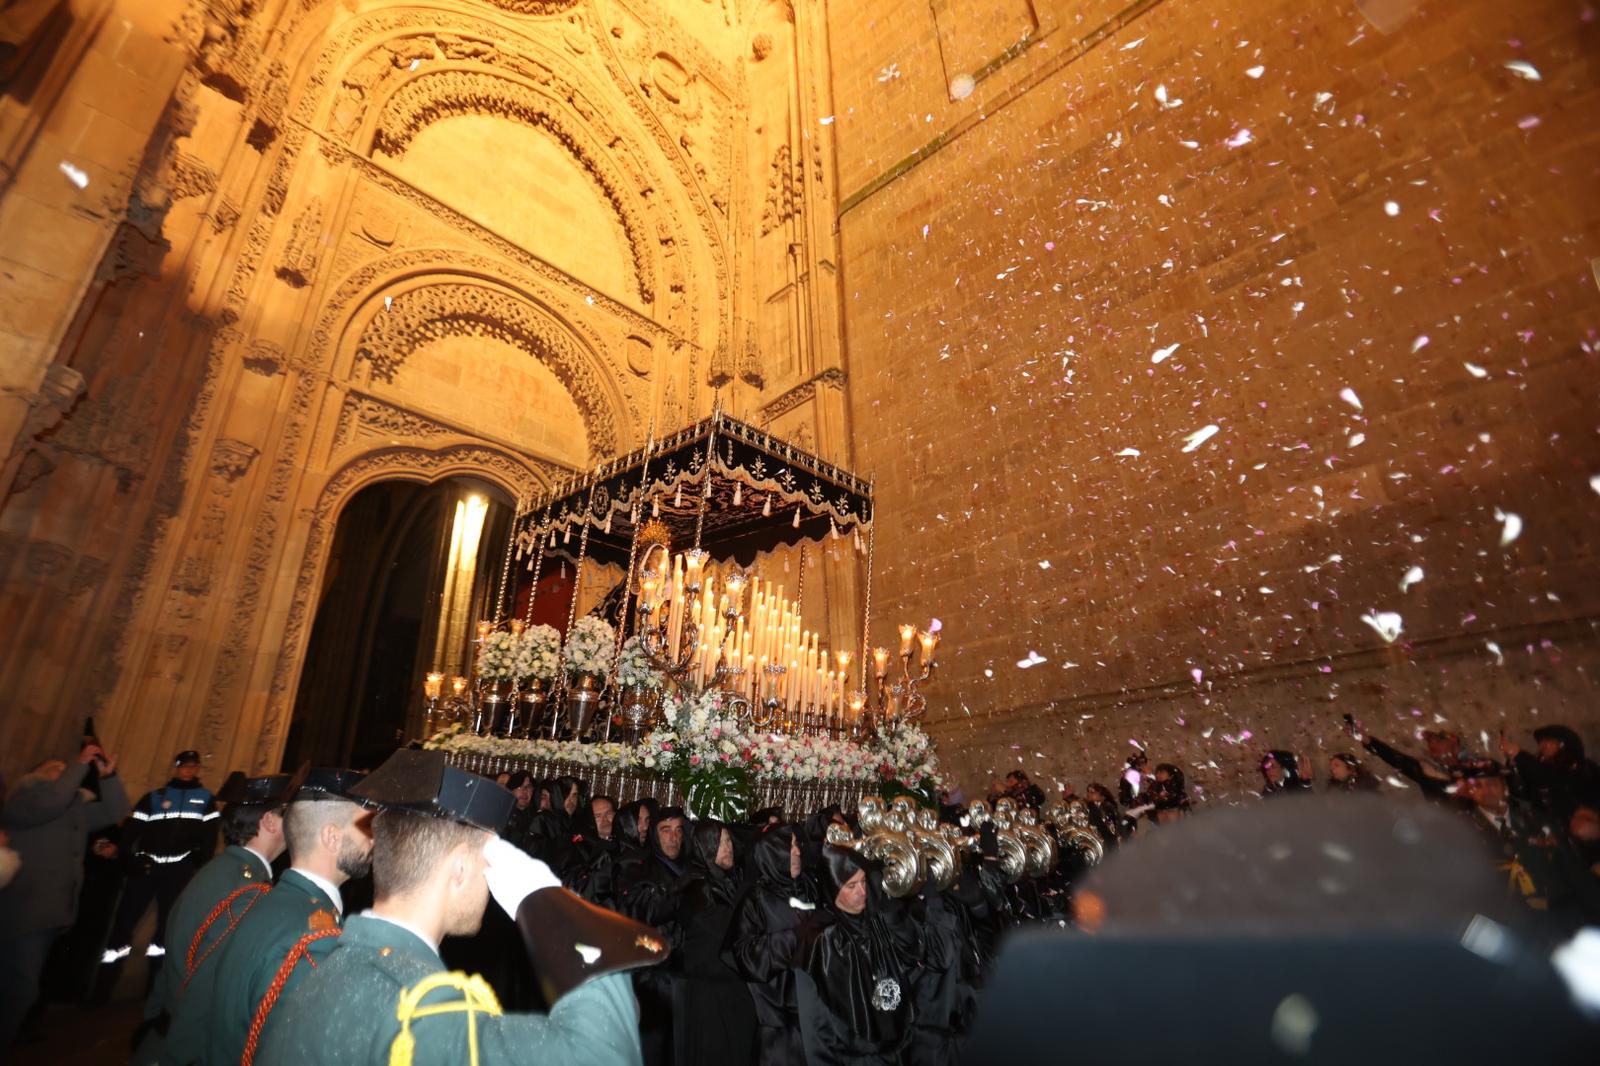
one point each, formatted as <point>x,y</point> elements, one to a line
<point>329,783</point>
<point>424,783</point>
<point>190,756</point>
<point>271,790</point>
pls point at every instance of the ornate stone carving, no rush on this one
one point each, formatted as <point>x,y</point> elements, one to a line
<point>264,358</point>
<point>300,254</point>
<point>425,100</point>
<point>231,459</point>
<point>785,190</point>
<point>268,118</point>
<point>363,416</point>
<point>224,215</point>
<point>459,309</point>
<point>830,378</point>
<point>751,371</point>
<point>534,7</point>
<point>191,176</point>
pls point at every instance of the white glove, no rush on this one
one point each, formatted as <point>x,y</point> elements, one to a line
<point>513,874</point>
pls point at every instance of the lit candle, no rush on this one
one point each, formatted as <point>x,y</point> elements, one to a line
<point>484,629</point>
<point>517,626</point>
<point>929,642</point>
<point>880,662</point>
<point>857,702</point>
<point>908,633</point>
<point>458,685</point>
<point>433,686</point>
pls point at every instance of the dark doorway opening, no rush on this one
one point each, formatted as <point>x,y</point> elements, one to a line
<point>401,589</point>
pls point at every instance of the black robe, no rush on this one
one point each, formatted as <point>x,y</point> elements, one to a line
<point>714,1019</point>
<point>763,942</point>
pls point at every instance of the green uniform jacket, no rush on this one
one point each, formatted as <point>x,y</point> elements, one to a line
<point>216,881</point>
<point>347,1014</point>
<point>213,1020</point>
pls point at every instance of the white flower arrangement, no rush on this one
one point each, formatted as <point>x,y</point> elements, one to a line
<point>591,647</point>
<point>497,655</point>
<point>536,652</point>
<point>634,669</point>
<point>702,729</point>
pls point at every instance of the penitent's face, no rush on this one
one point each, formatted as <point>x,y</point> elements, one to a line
<point>605,817</point>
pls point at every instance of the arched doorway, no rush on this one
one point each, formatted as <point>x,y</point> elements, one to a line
<point>411,569</point>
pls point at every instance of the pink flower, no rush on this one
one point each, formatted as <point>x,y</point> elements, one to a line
<point>694,760</point>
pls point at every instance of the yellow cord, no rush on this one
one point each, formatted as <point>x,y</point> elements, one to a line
<point>476,996</point>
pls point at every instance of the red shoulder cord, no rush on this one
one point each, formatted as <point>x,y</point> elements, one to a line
<point>274,990</point>
<point>190,963</point>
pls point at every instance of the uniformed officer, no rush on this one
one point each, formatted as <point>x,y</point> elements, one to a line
<point>329,843</point>
<point>383,996</point>
<point>171,832</point>
<point>219,894</point>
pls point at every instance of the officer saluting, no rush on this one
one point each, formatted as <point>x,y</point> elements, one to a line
<point>220,893</point>
<point>383,996</point>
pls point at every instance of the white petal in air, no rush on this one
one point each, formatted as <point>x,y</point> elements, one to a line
<point>1419,344</point>
<point>1033,659</point>
<point>1133,453</point>
<point>1594,483</point>
<point>1348,395</point>
<point>1391,208</point>
<point>1411,577</point>
<point>1199,437</point>
<point>1510,527</point>
<point>1239,139</point>
<point>1255,72</point>
<point>1523,69</point>
<point>1160,354</point>
<point>1475,370</point>
<point>1386,624</point>
<point>75,175</point>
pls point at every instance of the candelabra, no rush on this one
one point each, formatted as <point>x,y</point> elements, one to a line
<point>457,708</point>
<point>900,700</point>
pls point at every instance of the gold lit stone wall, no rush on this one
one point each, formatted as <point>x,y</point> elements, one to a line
<point>1185,337</point>
<point>268,252</point>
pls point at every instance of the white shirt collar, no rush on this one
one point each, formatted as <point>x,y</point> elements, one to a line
<point>328,887</point>
<point>407,926</point>
<point>260,856</point>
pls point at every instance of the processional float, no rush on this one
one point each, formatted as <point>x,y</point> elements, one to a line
<point>687,520</point>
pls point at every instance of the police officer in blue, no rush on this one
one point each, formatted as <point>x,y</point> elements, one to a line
<point>383,996</point>
<point>171,833</point>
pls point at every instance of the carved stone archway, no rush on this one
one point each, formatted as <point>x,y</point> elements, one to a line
<point>458,306</point>
<point>516,475</point>
<point>443,94</point>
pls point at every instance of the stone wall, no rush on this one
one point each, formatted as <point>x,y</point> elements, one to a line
<point>1353,243</point>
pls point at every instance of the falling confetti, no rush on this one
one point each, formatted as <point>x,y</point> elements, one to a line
<point>1475,370</point>
<point>1199,437</point>
<point>1411,577</point>
<point>75,175</point>
<point>1420,343</point>
<point>1348,395</point>
<point>1391,208</point>
<point>961,86</point>
<point>1511,526</point>
<point>1033,659</point>
<point>1133,453</point>
<point>1240,138</point>
<point>1523,69</point>
<point>1594,483</point>
<point>1386,624</point>
<point>1255,72</point>
<point>1160,354</point>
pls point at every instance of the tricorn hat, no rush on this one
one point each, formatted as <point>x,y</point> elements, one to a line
<point>328,783</point>
<point>271,790</point>
<point>424,783</point>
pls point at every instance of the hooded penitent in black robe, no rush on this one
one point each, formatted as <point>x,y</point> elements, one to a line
<point>768,919</point>
<point>853,980</point>
<point>651,892</point>
<point>714,1019</point>
<point>590,869</point>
